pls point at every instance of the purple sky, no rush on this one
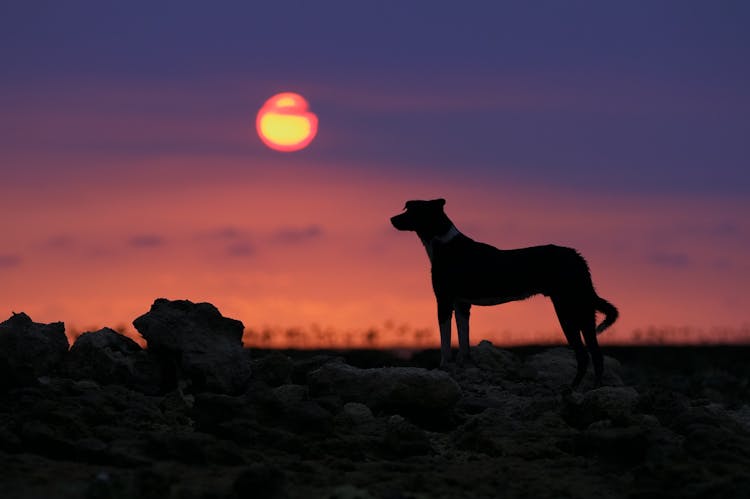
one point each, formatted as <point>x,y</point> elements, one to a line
<point>626,96</point>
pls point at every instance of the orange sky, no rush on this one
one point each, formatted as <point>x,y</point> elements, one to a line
<point>288,243</point>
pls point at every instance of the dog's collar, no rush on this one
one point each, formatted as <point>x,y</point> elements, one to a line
<point>448,236</point>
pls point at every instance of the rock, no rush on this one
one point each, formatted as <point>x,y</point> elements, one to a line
<point>107,357</point>
<point>29,350</point>
<point>606,403</point>
<point>663,403</point>
<point>742,416</point>
<point>349,492</point>
<point>478,437</point>
<point>357,414</point>
<point>210,410</point>
<point>194,342</point>
<point>193,448</point>
<point>410,391</point>
<point>623,445</point>
<point>289,395</point>
<point>296,411</point>
<point>262,481</point>
<point>556,367</point>
<point>487,356</point>
<point>274,369</point>
<point>402,438</point>
<point>303,367</point>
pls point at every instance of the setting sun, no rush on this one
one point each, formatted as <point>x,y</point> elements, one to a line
<point>284,123</point>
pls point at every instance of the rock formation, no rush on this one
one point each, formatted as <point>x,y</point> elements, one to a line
<point>29,349</point>
<point>193,342</point>
<point>98,421</point>
<point>107,357</point>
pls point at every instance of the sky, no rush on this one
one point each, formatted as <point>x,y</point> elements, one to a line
<point>130,168</point>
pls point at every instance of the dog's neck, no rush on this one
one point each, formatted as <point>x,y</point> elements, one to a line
<point>446,237</point>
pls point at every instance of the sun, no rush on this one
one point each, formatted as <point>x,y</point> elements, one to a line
<point>285,123</point>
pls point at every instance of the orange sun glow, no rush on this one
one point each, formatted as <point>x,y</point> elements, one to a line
<point>285,123</point>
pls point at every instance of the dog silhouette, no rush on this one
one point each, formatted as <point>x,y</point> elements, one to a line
<point>466,272</point>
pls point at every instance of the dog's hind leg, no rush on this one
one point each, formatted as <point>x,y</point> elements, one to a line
<point>445,314</point>
<point>569,324</point>
<point>463,311</point>
<point>589,336</point>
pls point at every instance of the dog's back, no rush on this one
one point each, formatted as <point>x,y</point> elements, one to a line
<point>478,273</point>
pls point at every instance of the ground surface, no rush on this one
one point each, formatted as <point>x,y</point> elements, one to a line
<point>672,422</point>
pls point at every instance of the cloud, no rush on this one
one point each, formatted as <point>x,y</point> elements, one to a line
<point>146,241</point>
<point>59,242</point>
<point>670,259</point>
<point>9,261</point>
<point>296,235</point>
<point>241,249</point>
<point>225,233</point>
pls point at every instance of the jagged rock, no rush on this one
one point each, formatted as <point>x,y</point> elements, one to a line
<point>29,349</point>
<point>399,390</point>
<point>194,342</point>
<point>108,357</point>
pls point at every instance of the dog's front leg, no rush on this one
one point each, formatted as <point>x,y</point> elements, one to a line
<point>462,325</point>
<point>445,314</point>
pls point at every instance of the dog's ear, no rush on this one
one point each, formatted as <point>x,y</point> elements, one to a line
<point>440,202</point>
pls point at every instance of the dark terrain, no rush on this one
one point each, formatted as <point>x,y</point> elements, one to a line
<point>197,416</point>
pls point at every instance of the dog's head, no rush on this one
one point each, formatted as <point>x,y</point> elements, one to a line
<point>426,218</point>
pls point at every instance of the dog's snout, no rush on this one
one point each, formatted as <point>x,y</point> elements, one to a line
<point>400,222</point>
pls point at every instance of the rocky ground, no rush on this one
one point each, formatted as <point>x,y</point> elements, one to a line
<point>197,416</point>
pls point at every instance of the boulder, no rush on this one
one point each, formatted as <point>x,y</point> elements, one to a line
<point>292,407</point>
<point>405,439</point>
<point>193,342</point>
<point>556,367</point>
<point>487,356</point>
<point>663,403</point>
<point>29,349</point>
<point>613,403</point>
<point>108,357</point>
<point>275,369</point>
<point>410,391</point>
<point>356,414</point>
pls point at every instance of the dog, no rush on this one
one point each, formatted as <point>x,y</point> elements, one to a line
<point>466,272</point>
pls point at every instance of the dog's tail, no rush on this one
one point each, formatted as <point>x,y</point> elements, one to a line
<point>610,313</point>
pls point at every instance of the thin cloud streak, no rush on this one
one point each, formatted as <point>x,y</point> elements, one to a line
<point>10,261</point>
